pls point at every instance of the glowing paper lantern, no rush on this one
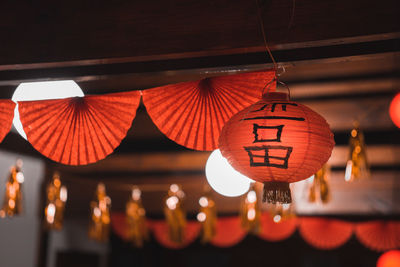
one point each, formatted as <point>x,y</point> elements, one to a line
<point>379,235</point>
<point>56,199</point>
<point>12,204</point>
<point>276,142</point>
<point>193,113</point>
<point>40,91</point>
<point>223,178</point>
<point>6,117</point>
<point>137,231</point>
<point>80,130</point>
<point>394,110</point>
<point>275,230</point>
<point>389,259</point>
<point>325,233</point>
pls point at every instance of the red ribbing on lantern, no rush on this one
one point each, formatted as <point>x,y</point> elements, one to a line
<point>394,110</point>
<point>79,130</point>
<point>6,117</point>
<point>379,235</point>
<point>276,141</point>
<point>193,113</point>
<point>276,231</point>
<point>325,233</point>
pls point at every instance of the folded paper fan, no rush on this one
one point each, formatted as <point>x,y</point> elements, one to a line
<point>79,130</point>
<point>324,233</point>
<point>229,232</point>
<point>6,117</point>
<point>193,113</point>
<point>379,235</point>
<point>276,231</point>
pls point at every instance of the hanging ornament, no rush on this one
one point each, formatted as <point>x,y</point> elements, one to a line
<point>193,113</point>
<point>250,211</point>
<point>12,204</point>
<point>357,166</point>
<point>276,142</point>
<point>208,218</point>
<point>319,190</point>
<point>57,195</point>
<point>175,214</point>
<point>394,110</point>
<point>137,231</point>
<point>79,130</point>
<point>99,226</point>
<point>6,117</point>
<point>280,211</point>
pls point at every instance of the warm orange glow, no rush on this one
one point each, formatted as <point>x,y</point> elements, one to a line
<point>56,199</point>
<point>389,259</point>
<point>394,110</point>
<point>13,196</point>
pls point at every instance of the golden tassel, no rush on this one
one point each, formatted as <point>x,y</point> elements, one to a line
<point>136,219</point>
<point>99,226</point>
<point>280,212</point>
<point>13,197</point>
<point>357,166</point>
<point>250,211</point>
<point>208,218</point>
<point>319,189</point>
<point>56,198</point>
<point>175,214</point>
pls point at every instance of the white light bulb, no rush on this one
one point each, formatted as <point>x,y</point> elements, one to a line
<point>20,177</point>
<point>201,217</point>
<point>277,218</point>
<point>251,196</point>
<point>171,202</point>
<point>63,194</point>
<point>40,91</point>
<point>136,193</point>
<point>223,178</point>
<point>251,214</point>
<point>203,201</point>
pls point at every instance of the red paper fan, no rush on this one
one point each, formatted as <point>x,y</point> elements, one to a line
<point>379,235</point>
<point>6,117</point>
<point>193,113</point>
<point>79,130</point>
<point>160,231</point>
<point>273,231</point>
<point>325,233</point>
<point>229,232</point>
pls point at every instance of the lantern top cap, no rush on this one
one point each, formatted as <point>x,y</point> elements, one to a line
<point>275,96</point>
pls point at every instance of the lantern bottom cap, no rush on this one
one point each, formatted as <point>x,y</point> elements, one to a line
<point>277,192</point>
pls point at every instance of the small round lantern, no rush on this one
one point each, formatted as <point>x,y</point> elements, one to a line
<point>394,110</point>
<point>276,142</point>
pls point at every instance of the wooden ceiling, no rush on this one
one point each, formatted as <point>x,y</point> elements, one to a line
<point>342,58</point>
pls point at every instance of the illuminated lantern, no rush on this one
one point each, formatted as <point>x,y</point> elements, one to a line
<point>394,110</point>
<point>137,231</point>
<point>389,259</point>
<point>13,197</point>
<point>57,195</point>
<point>276,142</point>
<point>175,214</point>
<point>208,218</point>
<point>250,211</point>
<point>99,226</point>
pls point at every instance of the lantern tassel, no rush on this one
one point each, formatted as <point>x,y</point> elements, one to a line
<point>277,192</point>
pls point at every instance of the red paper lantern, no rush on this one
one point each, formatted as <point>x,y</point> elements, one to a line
<point>6,117</point>
<point>193,113</point>
<point>79,130</point>
<point>276,141</point>
<point>394,110</point>
<point>389,259</point>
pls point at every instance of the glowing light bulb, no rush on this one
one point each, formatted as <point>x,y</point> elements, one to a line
<point>20,177</point>
<point>40,91</point>
<point>277,218</point>
<point>203,201</point>
<point>201,216</point>
<point>174,188</point>
<point>223,178</point>
<point>171,202</point>
<point>251,196</point>
<point>251,214</point>
<point>51,211</point>
<point>347,175</point>
<point>63,194</point>
<point>97,212</point>
<point>136,193</point>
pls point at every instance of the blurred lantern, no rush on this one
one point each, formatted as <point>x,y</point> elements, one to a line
<point>319,189</point>
<point>137,231</point>
<point>389,259</point>
<point>276,142</point>
<point>394,110</point>
<point>99,226</point>
<point>223,178</point>
<point>12,204</point>
<point>208,218</point>
<point>250,211</point>
<point>175,214</point>
<point>56,198</point>
<point>357,166</point>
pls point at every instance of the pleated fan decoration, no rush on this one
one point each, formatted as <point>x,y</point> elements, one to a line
<point>6,117</point>
<point>229,232</point>
<point>379,235</point>
<point>276,142</point>
<point>193,113</point>
<point>325,233</point>
<point>274,231</point>
<point>79,130</point>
